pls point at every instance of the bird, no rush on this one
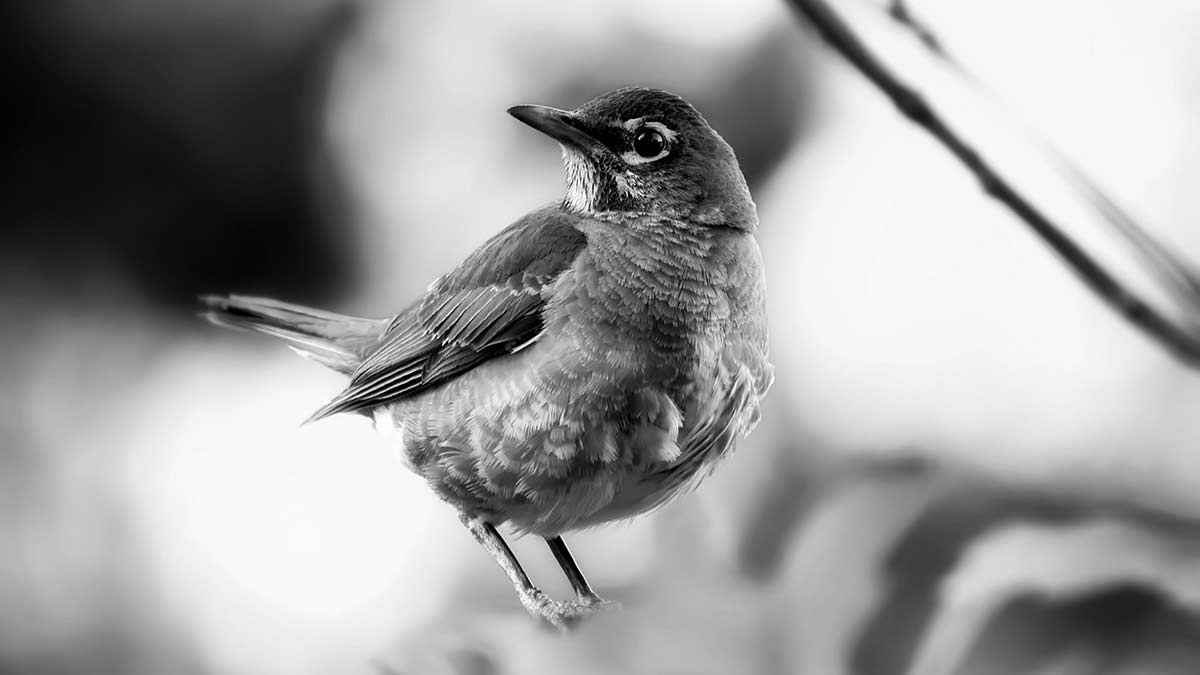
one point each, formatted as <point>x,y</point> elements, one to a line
<point>588,363</point>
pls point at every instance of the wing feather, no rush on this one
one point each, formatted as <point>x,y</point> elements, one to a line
<point>489,306</point>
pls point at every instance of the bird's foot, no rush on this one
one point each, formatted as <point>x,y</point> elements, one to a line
<point>595,603</point>
<point>563,615</point>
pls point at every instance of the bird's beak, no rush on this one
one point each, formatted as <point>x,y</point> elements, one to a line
<point>561,125</point>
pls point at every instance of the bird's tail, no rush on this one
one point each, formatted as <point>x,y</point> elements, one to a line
<point>334,340</point>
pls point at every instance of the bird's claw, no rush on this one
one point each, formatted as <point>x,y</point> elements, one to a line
<point>564,615</point>
<point>598,604</point>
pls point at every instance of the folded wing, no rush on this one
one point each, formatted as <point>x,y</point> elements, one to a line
<point>489,306</point>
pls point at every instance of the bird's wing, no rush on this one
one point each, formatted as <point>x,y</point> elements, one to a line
<point>489,306</point>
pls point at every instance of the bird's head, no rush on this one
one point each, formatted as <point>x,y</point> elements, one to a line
<point>645,151</point>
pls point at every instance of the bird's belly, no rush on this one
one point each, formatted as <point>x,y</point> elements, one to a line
<point>722,413</point>
<point>551,439</point>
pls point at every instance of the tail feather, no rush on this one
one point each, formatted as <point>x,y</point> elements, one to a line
<point>334,340</point>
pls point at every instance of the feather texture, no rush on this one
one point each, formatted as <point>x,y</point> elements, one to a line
<point>487,307</point>
<point>334,340</point>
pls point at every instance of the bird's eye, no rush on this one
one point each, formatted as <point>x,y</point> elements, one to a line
<point>649,143</point>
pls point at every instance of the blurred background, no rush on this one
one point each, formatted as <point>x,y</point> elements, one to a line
<point>967,465</point>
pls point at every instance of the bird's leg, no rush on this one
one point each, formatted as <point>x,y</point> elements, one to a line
<point>587,597</point>
<point>541,606</point>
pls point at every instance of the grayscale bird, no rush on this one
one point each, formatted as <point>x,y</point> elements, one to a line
<point>590,362</point>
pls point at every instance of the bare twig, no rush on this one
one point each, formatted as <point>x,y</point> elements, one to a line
<point>1182,340</point>
<point>1177,275</point>
<point>898,10</point>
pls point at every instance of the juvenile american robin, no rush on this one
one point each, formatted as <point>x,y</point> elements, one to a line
<point>590,362</point>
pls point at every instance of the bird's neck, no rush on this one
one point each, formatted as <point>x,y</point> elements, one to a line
<point>658,297</point>
<point>672,274</point>
<point>666,242</point>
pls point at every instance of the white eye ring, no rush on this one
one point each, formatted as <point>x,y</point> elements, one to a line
<point>632,158</point>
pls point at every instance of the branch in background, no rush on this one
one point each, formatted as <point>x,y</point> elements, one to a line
<point>1177,275</point>
<point>898,10</point>
<point>1181,282</point>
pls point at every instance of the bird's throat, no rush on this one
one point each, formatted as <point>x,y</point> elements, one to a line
<point>591,189</point>
<point>582,184</point>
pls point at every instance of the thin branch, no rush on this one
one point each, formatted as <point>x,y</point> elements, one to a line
<point>898,10</point>
<point>1179,276</point>
<point>1177,339</point>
